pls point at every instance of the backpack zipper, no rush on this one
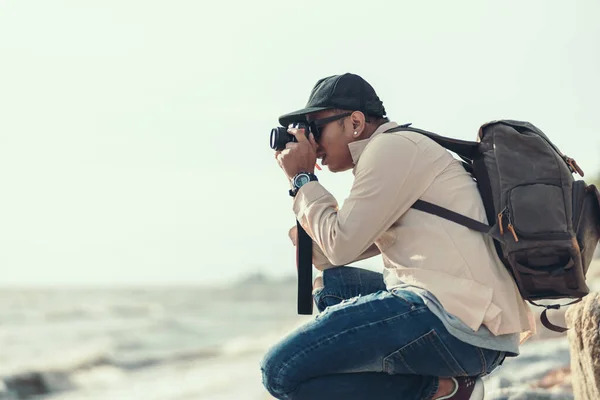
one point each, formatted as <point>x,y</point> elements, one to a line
<point>510,226</point>
<point>500,215</point>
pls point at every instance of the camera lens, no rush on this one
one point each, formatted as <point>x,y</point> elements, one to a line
<point>279,138</point>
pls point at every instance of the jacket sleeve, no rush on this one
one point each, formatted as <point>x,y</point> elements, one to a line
<point>321,262</point>
<point>390,176</point>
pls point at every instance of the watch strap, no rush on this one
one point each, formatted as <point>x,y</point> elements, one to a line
<point>292,192</point>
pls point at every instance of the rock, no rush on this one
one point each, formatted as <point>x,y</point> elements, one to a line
<point>583,319</point>
<point>33,384</point>
<point>26,385</point>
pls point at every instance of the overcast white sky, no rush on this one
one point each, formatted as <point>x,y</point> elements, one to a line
<point>134,134</point>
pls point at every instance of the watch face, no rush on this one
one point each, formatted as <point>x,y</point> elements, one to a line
<point>302,180</point>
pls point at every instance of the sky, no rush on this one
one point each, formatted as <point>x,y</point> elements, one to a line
<point>134,134</point>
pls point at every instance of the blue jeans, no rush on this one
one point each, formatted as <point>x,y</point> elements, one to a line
<point>368,343</point>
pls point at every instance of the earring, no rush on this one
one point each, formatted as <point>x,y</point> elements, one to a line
<point>355,133</point>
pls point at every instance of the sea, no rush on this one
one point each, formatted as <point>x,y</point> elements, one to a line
<point>157,343</point>
<point>163,343</point>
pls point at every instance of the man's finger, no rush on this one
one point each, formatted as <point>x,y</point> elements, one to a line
<point>291,145</point>
<point>279,158</point>
<point>293,234</point>
<point>282,153</point>
<point>299,133</point>
<point>313,142</point>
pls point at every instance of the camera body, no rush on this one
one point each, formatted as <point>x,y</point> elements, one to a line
<point>280,136</point>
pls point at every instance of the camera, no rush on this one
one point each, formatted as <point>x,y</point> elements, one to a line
<point>280,136</point>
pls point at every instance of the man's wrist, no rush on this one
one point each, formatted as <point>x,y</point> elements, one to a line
<point>303,170</point>
<point>299,180</point>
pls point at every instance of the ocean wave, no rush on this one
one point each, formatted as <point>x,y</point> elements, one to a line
<point>82,367</point>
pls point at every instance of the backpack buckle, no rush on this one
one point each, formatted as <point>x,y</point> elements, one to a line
<point>573,166</point>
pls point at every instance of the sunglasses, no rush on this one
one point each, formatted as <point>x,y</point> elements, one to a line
<point>317,125</point>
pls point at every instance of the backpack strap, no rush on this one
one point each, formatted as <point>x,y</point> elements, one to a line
<point>467,151</point>
<point>544,318</point>
<point>463,148</point>
<point>485,190</point>
<point>451,216</point>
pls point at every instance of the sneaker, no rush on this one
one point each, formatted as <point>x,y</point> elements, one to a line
<point>465,388</point>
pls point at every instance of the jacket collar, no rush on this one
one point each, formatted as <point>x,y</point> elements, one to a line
<point>356,148</point>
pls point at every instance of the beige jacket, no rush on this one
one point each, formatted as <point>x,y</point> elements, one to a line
<point>458,265</point>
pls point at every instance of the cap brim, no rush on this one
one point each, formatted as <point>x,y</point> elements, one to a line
<point>300,115</point>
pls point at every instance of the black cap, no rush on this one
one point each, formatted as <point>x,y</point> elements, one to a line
<point>346,92</point>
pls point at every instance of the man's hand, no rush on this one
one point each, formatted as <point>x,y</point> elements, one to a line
<point>299,156</point>
<point>293,234</point>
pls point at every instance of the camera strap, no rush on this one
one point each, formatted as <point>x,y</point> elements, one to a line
<point>304,268</point>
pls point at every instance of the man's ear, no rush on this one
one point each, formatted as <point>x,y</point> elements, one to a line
<point>357,119</point>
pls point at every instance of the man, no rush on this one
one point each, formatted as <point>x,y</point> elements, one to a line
<point>444,312</point>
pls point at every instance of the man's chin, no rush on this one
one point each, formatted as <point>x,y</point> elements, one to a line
<point>334,169</point>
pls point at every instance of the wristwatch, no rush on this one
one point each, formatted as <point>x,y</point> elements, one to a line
<point>300,180</point>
